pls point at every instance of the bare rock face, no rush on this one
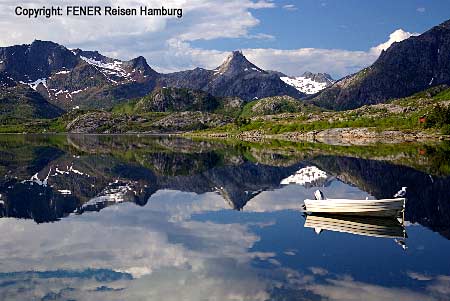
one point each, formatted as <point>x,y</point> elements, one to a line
<point>359,136</point>
<point>407,67</point>
<point>319,77</point>
<point>108,123</point>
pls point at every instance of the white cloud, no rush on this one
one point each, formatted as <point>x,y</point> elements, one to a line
<point>418,276</point>
<point>397,36</point>
<point>202,19</point>
<point>290,7</point>
<point>337,62</point>
<point>144,231</point>
<point>157,244</point>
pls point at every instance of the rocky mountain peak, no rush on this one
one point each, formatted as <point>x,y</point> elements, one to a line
<point>319,77</point>
<point>236,62</point>
<point>40,44</point>
<point>140,64</point>
<point>237,54</point>
<point>445,24</point>
<point>36,60</point>
<point>41,48</point>
<point>77,51</point>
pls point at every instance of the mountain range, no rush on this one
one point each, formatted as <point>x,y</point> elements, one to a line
<point>71,79</point>
<point>45,79</point>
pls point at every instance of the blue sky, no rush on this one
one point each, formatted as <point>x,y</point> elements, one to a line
<point>341,24</point>
<point>339,37</point>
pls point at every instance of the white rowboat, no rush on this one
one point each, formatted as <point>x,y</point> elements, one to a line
<point>381,208</point>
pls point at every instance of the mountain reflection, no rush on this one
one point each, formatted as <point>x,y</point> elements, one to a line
<point>46,178</point>
<point>89,173</point>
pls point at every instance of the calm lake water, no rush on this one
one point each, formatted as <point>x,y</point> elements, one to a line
<point>158,218</point>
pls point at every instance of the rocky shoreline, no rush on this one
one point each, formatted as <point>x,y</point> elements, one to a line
<point>336,136</point>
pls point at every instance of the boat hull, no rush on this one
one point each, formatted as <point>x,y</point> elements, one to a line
<point>377,208</point>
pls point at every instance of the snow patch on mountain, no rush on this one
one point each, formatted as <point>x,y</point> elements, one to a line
<point>79,91</point>
<point>304,84</point>
<point>62,93</point>
<point>114,68</point>
<point>309,83</point>
<point>36,83</point>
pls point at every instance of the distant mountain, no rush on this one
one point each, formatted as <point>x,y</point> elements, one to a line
<point>235,77</point>
<point>72,79</point>
<point>309,83</point>
<point>407,67</point>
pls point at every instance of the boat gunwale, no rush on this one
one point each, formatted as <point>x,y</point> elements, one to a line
<point>351,201</point>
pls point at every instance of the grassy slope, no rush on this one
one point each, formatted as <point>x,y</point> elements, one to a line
<point>400,114</point>
<point>21,103</point>
<point>276,105</point>
<point>201,102</point>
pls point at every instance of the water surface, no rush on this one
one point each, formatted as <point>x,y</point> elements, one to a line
<point>159,218</point>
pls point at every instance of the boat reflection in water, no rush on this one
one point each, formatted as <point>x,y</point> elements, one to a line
<point>359,225</point>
